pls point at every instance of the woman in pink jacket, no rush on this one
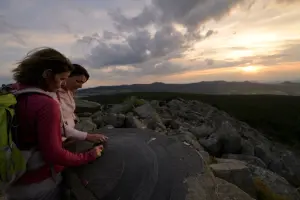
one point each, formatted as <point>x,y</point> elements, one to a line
<point>39,127</point>
<point>65,95</point>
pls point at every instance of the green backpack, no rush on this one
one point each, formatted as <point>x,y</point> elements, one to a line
<point>12,160</point>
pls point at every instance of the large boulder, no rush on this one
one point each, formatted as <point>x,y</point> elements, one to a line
<point>229,137</point>
<point>98,119</point>
<point>207,187</point>
<point>127,106</point>
<point>247,148</point>
<point>150,116</point>
<point>264,153</point>
<point>189,139</point>
<point>116,120</point>
<point>246,158</point>
<point>288,166</point>
<point>145,111</point>
<point>144,165</point>
<point>212,144</point>
<point>86,125</point>
<point>83,106</point>
<point>236,173</point>
<point>202,131</point>
<point>132,121</point>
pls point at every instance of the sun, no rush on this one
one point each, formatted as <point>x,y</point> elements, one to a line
<point>250,69</point>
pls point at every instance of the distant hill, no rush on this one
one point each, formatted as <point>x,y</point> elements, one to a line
<point>206,87</point>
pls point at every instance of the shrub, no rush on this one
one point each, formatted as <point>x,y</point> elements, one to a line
<point>264,192</point>
<point>134,101</point>
<point>139,102</point>
<point>212,160</point>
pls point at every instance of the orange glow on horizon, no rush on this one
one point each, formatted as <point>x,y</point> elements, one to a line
<point>208,75</point>
<point>250,69</point>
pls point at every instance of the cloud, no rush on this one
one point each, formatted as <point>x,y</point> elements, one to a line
<point>138,47</point>
<point>163,30</point>
<point>209,61</point>
<point>159,69</point>
<point>147,38</point>
<point>292,52</point>
<point>55,16</point>
<point>288,1</point>
<point>190,13</point>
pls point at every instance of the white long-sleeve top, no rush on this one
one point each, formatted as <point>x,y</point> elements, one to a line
<point>67,104</point>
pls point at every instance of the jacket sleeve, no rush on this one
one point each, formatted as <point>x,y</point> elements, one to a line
<point>72,132</point>
<point>50,140</point>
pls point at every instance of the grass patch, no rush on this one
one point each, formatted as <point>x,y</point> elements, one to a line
<point>212,160</point>
<point>264,192</point>
<point>134,101</point>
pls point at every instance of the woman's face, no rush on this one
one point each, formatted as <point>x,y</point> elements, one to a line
<point>75,82</point>
<point>54,81</point>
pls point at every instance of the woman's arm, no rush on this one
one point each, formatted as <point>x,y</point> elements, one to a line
<point>50,141</point>
<point>74,133</point>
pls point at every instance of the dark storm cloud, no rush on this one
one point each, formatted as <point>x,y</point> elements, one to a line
<point>138,44</point>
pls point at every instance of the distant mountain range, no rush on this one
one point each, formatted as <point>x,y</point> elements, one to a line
<point>206,87</point>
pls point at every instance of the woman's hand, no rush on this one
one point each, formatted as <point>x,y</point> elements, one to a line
<point>96,138</point>
<point>98,149</point>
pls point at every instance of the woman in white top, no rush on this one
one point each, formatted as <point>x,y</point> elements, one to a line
<point>65,95</point>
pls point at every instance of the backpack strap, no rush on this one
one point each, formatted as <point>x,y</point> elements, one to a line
<point>40,91</point>
<point>32,90</point>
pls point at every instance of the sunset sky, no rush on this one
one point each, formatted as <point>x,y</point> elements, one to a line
<point>172,41</point>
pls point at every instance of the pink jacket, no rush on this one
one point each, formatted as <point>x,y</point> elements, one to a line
<point>40,124</point>
<point>67,103</point>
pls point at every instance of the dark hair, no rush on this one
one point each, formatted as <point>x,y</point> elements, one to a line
<point>29,71</point>
<point>79,70</point>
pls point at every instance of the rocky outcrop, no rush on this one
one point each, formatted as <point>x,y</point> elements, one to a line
<point>277,184</point>
<point>236,173</point>
<point>246,158</point>
<point>239,157</point>
<point>206,187</point>
<point>86,124</point>
<point>83,106</point>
